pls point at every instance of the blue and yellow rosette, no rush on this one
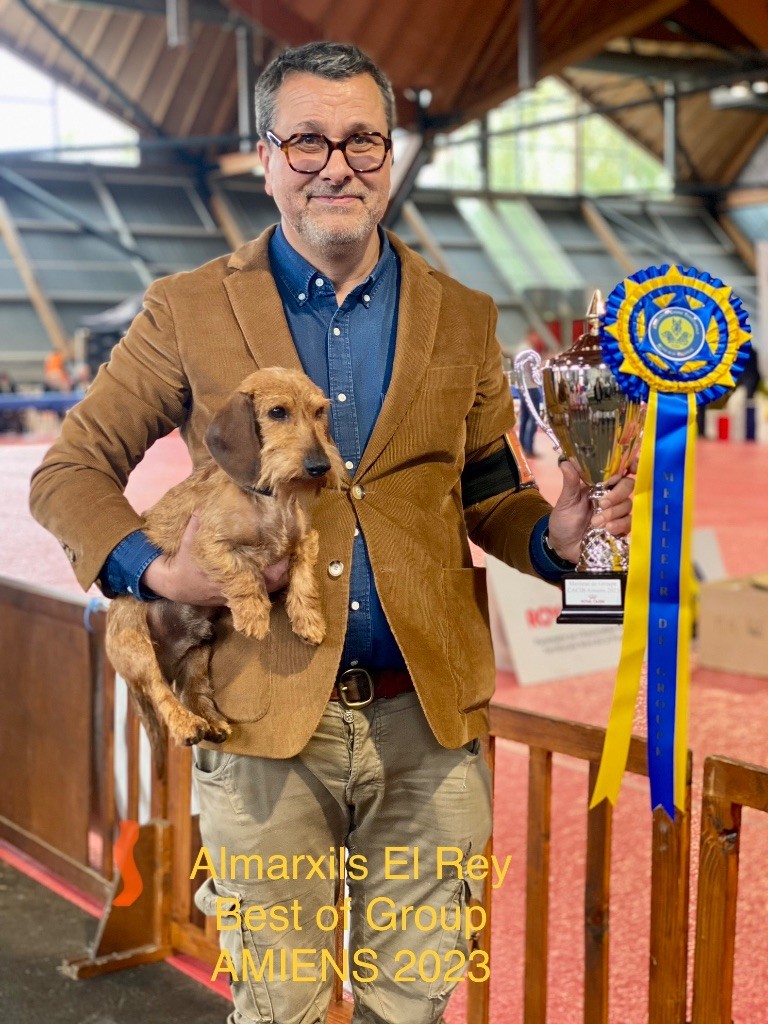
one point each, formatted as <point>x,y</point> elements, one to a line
<point>674,338</point>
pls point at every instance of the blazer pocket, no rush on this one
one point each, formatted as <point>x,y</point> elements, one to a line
<point>240,675</point>
<point>468,637</point>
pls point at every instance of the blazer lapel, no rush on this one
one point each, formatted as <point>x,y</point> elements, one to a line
<point>259,311</point>
<point>420,296</point>
<point>257,305</point>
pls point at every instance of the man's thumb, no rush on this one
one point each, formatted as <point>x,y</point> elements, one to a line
<point>571,482</point>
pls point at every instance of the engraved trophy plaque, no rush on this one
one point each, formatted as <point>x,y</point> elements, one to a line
<point>597,428</point>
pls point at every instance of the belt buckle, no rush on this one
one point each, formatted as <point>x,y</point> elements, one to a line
<point>356,676</point>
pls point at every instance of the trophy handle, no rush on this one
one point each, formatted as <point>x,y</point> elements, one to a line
<point>528,366</point>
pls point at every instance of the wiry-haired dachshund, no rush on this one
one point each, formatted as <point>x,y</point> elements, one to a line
<point>271,453</point>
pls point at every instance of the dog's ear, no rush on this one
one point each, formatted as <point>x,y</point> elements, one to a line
<point>233,440</point>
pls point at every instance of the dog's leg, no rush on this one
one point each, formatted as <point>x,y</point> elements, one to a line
<point>196,692</point>
<point>242,583</point>
<point>132,654</point>
<point>302,601</point>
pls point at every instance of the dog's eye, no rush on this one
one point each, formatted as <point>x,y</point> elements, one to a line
<point>320,413</point>
<point>278,412</point>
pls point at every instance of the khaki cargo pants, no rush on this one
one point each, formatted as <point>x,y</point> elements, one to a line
<point>372,785</point>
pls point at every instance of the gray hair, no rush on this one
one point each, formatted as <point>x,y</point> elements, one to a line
<point>326,60</point>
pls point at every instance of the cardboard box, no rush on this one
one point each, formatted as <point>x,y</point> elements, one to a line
<point>733,625</point>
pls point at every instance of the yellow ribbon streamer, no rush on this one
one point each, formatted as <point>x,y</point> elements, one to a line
<point>633,643</point>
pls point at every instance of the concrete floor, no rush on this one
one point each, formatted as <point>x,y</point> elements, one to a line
<point>39,929</point>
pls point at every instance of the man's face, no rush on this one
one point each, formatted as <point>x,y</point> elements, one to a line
<point>335,206</point>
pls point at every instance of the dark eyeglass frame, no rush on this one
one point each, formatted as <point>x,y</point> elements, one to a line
<point>285,144</point>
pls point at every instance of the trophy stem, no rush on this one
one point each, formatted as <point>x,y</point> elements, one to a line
<point>600,550</point>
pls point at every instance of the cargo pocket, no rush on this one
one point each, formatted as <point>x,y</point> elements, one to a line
<point>250,992</point>
<point>441,988</point>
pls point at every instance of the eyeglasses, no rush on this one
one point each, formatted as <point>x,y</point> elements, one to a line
<point>308,153</point>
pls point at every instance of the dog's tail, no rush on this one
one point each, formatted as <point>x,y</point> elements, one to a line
<point>155,730</point>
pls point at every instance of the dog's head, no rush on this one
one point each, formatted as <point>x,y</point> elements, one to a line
<point>274,431</point>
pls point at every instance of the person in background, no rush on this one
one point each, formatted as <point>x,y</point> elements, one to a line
<point>11,420</point>
<point>528,427</point>
<point>55,374</point>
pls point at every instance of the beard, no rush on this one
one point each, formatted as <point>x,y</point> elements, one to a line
<point>337,228</point>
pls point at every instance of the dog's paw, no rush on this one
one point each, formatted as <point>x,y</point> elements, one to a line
<point>218,730</point>
<point>251,619</point>
<point>309,627</point>
<point>185,728</point>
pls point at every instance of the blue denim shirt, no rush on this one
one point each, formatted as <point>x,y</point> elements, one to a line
<point>348,351</point>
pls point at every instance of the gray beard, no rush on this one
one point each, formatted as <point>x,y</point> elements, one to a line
<point>341,235</point>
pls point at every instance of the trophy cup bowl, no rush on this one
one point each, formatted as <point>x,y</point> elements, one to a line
<point>598,429</point>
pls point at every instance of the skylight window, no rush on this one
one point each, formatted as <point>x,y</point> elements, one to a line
<point>42,118</point>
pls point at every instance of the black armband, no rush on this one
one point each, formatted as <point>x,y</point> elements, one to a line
<point>490,476</point>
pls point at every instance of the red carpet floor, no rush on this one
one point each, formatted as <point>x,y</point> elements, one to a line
<point>729,715</point>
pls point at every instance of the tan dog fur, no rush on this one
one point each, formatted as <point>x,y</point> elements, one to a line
<point>272,434</point>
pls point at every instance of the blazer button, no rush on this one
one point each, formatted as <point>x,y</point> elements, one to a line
<point>335,568</point>
<point>358,491</point>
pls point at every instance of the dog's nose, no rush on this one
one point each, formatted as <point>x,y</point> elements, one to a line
<point>317,465</point>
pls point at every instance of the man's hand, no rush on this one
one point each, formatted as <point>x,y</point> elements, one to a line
<point>572,515</point>
<point>180,578</point>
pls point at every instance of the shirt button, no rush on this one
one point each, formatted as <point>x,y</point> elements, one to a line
<point>366,298</point>
<point>349,464</point>
<point>319,282</point>
<point>355,606</point>
<point>357,532</point>
<point>336,331</point>
<point>335,568</point>
<point>302,296</point>
<point>358,492</point>
<point>342,397</point>
<point>354,662</point>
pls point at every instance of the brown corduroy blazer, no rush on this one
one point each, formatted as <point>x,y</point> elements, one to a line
<point>198,336</point>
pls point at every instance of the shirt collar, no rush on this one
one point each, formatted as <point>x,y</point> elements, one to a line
<point>304,281</point>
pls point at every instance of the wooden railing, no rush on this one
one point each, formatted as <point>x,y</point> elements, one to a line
<point>728,786</point>
<point>58,693</point>
<point>56,690</point>
<point>670,861</point>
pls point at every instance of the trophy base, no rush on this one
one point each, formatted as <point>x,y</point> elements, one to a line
<point>595,598</point>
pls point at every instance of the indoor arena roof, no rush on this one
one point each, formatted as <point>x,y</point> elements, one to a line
<point>466,53</point>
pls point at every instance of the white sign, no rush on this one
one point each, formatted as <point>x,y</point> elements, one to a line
<point>527,639</point>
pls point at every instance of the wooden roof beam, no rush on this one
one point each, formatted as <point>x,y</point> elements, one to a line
<point>738,159</point>
<point>279,20</point>
<point>749,16</point>
<point>588,40</point>
<point>90,46</point>
<point>193,101</point>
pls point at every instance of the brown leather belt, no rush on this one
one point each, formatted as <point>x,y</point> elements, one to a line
<point>359,687</point>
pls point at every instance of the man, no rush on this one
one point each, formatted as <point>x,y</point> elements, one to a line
<point>390,766</point>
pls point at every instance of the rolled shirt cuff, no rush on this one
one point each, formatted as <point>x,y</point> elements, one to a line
<point>544,560</point>
<point>125,566</point>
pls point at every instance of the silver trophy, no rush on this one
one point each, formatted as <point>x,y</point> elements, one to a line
<point>598,429</point>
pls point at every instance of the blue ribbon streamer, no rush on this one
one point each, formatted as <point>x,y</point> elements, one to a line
<point>664,604</point>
